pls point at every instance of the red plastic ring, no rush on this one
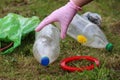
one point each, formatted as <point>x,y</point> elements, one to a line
<point>72,69</point>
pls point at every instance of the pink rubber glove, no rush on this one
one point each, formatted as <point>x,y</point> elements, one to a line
<point>63,15</point>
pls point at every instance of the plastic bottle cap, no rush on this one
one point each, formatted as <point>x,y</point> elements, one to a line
<point>109,47</point>
<point>45,61</point>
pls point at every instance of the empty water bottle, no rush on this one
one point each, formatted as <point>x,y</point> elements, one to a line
<point>87,33</point>
<point>46,48</point>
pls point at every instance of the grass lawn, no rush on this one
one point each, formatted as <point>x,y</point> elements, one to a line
<point>21,64</point>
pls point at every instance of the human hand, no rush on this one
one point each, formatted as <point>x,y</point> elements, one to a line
<point>63,15</point>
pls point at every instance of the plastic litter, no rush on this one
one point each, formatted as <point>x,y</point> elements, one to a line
<point>46,48</point>
<point>13,28</point>
<point>87,33</point>
<point>64,62</point>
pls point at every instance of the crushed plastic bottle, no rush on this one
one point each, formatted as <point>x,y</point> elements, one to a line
<point>87,33</point>
<point>93,17</point>
<point>46,48</point>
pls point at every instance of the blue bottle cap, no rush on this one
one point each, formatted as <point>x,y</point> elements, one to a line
<point>45,61</point>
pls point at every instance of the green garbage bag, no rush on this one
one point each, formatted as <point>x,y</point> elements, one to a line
<point>13,28</point>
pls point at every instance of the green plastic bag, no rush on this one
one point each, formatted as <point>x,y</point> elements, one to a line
<point>14,27</point>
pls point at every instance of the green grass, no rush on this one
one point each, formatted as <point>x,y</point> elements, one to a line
<point>21,64</point>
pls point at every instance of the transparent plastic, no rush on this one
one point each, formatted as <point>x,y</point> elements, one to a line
<point>86,32</point>
<point>46,48</point>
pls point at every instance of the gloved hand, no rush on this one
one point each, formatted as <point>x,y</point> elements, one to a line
<point>63,15</point>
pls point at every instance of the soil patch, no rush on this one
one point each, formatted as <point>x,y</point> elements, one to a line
<point>116,28</point>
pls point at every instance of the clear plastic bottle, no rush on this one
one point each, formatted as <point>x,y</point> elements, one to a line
<point>46,48</point>
<point>87,33</point>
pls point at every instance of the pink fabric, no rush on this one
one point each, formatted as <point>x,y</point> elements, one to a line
<point>63,15</point>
